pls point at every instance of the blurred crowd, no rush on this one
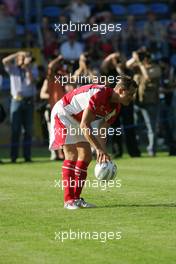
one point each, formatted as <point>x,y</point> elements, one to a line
<point>151,31</point>
<point>147,52</point>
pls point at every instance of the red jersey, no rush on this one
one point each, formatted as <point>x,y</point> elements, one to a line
<point>92,96</point>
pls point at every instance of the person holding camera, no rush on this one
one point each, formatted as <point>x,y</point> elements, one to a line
<point>53,90</point>
<point>167,89</point>
<point>85,74</point>
<point>23,90</point>
<point>114,66</point>
<point>147,75</point>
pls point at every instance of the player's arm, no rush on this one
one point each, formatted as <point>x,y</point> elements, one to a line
<point>87,117</point>
<point>103,140</point>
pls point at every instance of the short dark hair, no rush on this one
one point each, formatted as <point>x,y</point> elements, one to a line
<point>127,83</point>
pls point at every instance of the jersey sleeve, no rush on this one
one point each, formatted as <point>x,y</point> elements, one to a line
<point>100,98</point>
<point>111,118</point>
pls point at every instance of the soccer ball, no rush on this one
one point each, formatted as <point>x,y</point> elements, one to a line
<point>105,171</point>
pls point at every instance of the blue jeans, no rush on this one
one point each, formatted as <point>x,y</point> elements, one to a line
<point>21,115</point>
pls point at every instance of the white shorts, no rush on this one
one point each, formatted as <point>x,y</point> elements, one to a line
<point>65,129</point>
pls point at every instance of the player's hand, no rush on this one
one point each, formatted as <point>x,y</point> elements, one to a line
<point>102,156</point>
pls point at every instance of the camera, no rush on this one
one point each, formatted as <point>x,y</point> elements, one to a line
<point>144,53</point>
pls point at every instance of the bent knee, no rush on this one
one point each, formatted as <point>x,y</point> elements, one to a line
<point>70,152</point>
<point>85,154</point>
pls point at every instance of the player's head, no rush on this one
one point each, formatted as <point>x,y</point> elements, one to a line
<point>126,89</point>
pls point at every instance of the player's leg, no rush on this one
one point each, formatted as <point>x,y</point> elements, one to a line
<point>59,136</point>
<point>84,159</point>
<point>68,174</point>
<point>84,152</point>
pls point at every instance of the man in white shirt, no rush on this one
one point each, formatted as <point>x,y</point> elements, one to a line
<point>79,11</point>
<point>71,49</point>
<point>23,90</point>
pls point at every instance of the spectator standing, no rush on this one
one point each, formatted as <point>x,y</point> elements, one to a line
<point>53,91</point>
<point>168,82</point>
<point>148,80</point>
<point>79,11</point>
<point>71,49</point>
<point>23,90</point>
<point>2,112</point>
<point>114,66</point>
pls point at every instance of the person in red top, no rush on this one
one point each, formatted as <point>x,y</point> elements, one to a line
<point>73,120</point>
<point>55,89</point>
<point>52,92</point>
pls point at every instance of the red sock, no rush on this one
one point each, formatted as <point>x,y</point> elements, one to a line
<point>68,177</point>
<point>80,177</point>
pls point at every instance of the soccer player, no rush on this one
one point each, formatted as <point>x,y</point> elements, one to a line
<point>73,119</point>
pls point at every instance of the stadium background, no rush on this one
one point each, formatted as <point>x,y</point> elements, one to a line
<point>33,29</point>
<point>31,207</point>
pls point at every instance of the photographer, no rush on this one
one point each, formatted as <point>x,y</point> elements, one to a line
<point>114,66</point>
<point>168,82</point>
<point>53,91</point>
<point>85,74</point>
<point>148,78</point>
<point>23,90</point>
<point>2,111</point>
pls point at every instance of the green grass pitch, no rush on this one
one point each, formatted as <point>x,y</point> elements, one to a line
<point>143,210</point>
